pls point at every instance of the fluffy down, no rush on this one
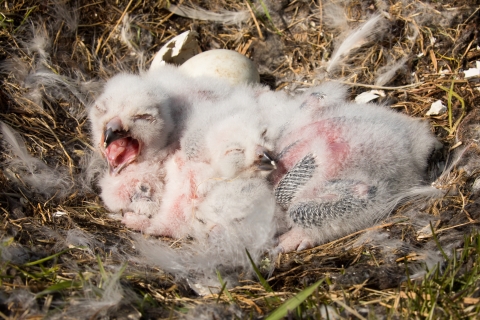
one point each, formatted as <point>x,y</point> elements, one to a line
<point>137,123</point>
<point>344,166</point>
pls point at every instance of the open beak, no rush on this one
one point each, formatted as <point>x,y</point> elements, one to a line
<point>112,135</point>
<point>119,148</point>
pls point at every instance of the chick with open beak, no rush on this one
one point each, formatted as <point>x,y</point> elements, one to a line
<point>131,123</point>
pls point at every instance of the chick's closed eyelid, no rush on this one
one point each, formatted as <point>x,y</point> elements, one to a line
<point>146,117</point>
<point>236,150</point>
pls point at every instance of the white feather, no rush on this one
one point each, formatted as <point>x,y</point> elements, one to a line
<point>127,37</point>
<point>352,41</point>
<point>102,297</point>
<point>39,44</point>
<point>35,173</point>
<point>13,252</point>
<point>335,17</point>
<point>225,17</point>
<point>386,73</point>
<point>22,299</point>
<point>67,15</point>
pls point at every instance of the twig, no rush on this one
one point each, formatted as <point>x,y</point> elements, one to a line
<point>260,35</point>
<point>116,25</point>
<point>413,85</point>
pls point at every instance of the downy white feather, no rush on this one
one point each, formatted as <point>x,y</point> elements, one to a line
<point>35,173</point>
<point>225,17</point>
<point>388,72</point>
<point>234,227</point>
<point>102,300</point>
<point>354,40</point>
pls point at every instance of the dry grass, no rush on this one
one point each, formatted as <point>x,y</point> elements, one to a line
<point>288,45</point>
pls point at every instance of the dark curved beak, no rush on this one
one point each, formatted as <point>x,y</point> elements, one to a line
<point>112,135</point>
<point>266,162</point>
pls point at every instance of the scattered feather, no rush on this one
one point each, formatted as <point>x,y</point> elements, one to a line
<point>387,73</point>
<point>34,173</point>
<point>214,311</point>
<point>335,17</point>
<point>13,252</point>
<point>101,297</point>
<point>225,17</point>
<point>354,40</point>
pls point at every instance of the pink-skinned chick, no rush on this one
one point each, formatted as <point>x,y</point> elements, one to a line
<point>342,166</point>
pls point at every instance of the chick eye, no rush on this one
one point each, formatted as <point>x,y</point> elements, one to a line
<point>234,150</point>
<point>145,117</point>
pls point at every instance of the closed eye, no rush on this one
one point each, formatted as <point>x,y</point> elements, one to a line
<point>236,150</point>
<point>144,117</point>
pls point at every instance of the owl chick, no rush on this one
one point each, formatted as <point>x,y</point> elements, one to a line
<point>130,123</point>
<point>137,123</point>
<point>220,154</point>
<point>344,166</point>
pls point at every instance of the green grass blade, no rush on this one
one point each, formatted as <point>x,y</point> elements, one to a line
<point>451,93</point>
<point>102,269</point>
<point>294,302</point>
<point>449,103</point>
<point>267,14</point>
<point>59,287</point>
<point>224,288</point>
<point>25,17</point>
<point>438,243</point>
<point>29,264</point>
<point>262,280</point>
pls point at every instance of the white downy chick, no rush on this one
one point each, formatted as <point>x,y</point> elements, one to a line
<point>219,189</point>
<point>137,123</point>
<point>216,150</point>
<point>131,123</point>
<point>344,166</point>
<point>236,216</point>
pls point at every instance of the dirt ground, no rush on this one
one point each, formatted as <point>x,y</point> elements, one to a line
<point>63,257</point>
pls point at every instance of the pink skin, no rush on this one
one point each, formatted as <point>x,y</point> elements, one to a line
<point>135,221</point>
<point>120,152</point>
<point>294,239</point>
<point>328,135</point>
<point>180,196</point>
<point>324,131</point>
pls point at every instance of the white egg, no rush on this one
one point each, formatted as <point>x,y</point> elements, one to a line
<point>220,63</point>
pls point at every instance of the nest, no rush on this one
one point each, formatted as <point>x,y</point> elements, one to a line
<point>61,254</point>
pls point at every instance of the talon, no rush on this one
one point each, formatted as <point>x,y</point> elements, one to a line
<point>295,239</point>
